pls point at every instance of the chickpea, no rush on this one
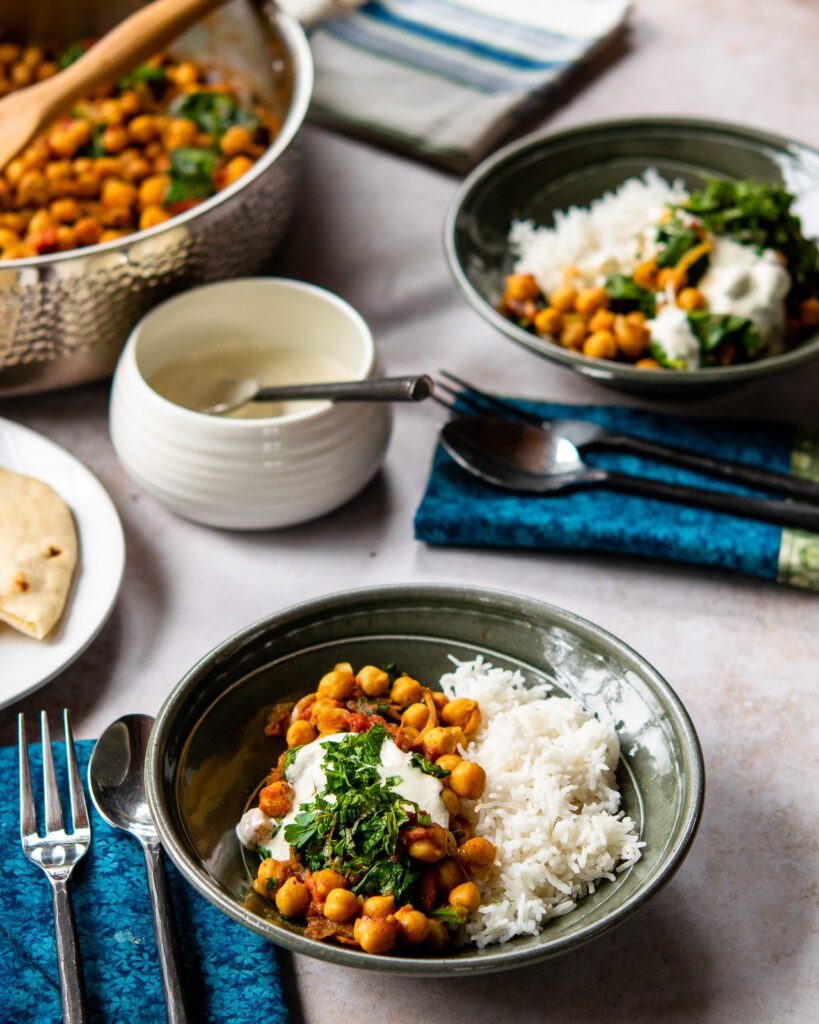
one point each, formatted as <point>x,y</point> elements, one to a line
<point>548,321</point>
<point>636,317</point>
<point>448,762</point>
<point>671,278</point>
<point>36,155</point>
<point>690,299</point>
<point>464,713</point>
<point>21,75</point>
<point>66,237</point>
<point>136,168</point>
<point>409,737</point>
<point>379,906</point>
<point>32,56</point>
<point>573,334</point>
<point>299,733</point>
<point>323,882</point>
<point>647,364</point>
<point>178,132</point>
<point>9,52</point>
<point>143,128</point>
<point>645,275</point>
<point>65,210</point>
<point>406,691</point>
<point>130,102</point>
<point>520,287</point>
<point>340,905</point>
<point>186,73</point>
<point>477,856</point>
<point>345,667</point>
<point>276,798</point>
<point>413,926</point>
<point>32,189</point>
<point>106,167</point>
<point>111,112</point>
<point>87,231</point>
<point>332,720</point>
<point>375,934</point>
<point>437,935</point>
<point>152,190</point>
<point>236,140</point>
<point>468,780</point>
<point>8,238</point>
<point>632,339</point>
<point>415,716</point>
<point>114,138</point>
<point>111,235</point>
<point>467,896</point>
<point>15,169</point>
<point>116,192</point>
<point>292,898</point>
<point>238,166</point>
<point>116,217</point>
<point>438,741</point>
<point>600,345</point>
<point>809,312</point>
<point>336,685</point>
<point>373,681</point>
<point>448,874</point>
<point>430,843</point>
<point>602,320</point>
<point>271,874</point>
<point>590,300</point>
<point>41,221</point>
<point>57,169</point>
<point>320,706</point>
<point>563,298</point>
<point>451,801</point>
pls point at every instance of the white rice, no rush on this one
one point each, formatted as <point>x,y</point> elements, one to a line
<point>551,806</point>
<point>612,235</point>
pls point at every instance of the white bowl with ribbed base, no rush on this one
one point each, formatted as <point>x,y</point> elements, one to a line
<point>248,474</point>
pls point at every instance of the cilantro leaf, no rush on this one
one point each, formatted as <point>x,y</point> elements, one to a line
<point>213,112</point>
<point>146,73</point>
<point>451,915</point>
<point>715,330</point>
<point>70,55</point>
<point>419,761</point>
<point>626,295</point>
<point>263,852</point>
<point>290,757</point>
<point>191,174</point>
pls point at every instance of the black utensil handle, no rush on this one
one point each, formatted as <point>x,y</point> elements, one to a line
<point>737,472</point>
<point>804,517</point>
<point>384,389</point>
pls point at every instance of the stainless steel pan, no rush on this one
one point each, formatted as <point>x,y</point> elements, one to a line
<point>64,317</point>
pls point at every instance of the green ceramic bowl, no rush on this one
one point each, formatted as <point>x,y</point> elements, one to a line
<point>208,754</point>
<point>534,178</point>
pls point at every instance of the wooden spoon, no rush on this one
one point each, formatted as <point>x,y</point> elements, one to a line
<point>26,112</point>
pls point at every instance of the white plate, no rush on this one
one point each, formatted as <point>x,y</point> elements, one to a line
<point>26,663</point>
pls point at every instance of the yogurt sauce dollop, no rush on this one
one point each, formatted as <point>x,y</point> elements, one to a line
<point>307,777</point>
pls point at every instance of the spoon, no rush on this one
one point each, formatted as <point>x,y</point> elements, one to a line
<point>116,779</point>
<point>236,393</point>
<point>26,112</point>
<point>519,457</point>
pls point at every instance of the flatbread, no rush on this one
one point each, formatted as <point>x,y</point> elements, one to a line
<point>38,554</point>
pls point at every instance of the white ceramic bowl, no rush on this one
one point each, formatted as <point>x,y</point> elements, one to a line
<point>248,474</point>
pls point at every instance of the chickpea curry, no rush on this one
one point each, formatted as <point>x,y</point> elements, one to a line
<point>730,278</point>
<point>161,140</point>
<point>364,828</point>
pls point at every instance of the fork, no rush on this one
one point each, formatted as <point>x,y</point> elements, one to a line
<point>57,852</point>
<point>585,434</point>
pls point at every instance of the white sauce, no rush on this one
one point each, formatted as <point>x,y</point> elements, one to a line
<point>746,282</point>
<point>307,777</point>
<point>196,379</point>
<point>671,330</point>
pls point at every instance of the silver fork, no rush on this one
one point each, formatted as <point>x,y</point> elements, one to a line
<point>57,852</point>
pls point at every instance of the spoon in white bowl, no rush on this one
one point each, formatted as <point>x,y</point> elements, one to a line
<point>116,779</point>
<point>236,393</point>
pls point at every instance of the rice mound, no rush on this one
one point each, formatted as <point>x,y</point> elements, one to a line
<point>611,236</point>
<point>551,806</point>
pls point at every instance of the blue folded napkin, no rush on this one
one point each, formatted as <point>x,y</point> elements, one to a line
<point>448,79</point>
<point>230,974</point>
<point>459,509</point>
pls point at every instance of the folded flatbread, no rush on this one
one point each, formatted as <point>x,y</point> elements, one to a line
<point>38,554</point>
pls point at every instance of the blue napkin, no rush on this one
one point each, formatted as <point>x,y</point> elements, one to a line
<point>231,975</point>
<point>459,509</point>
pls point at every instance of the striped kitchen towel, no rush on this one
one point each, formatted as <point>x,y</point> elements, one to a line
<point>449,79</point>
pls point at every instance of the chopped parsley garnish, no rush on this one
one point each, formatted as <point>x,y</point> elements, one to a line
<point>450,915</point>
<point>420,762</point>
<point>289,758</point>
<point>263,852</point>
<point>626,295</point>
<point>353,825</point>
<point>70,55</point>
<point>213,112</point>
<point>146,73</point>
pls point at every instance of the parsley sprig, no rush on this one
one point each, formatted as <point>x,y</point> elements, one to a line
<point>353,825</point>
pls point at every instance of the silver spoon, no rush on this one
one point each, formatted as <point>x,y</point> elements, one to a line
<point>236,393</point>
<point>519,457</point>
<point>116,779</point>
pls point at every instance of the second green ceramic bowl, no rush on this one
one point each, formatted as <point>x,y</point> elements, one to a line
<point>208,752</point>
<point>534,178</point>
